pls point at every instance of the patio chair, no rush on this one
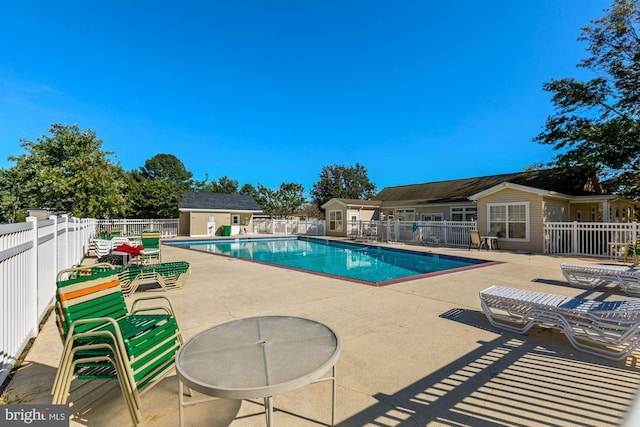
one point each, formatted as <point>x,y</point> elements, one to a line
<point>103,340</point>
<point>150,241</point>
<point>475,240</point>
<point>609,329</point>
<point>633,252</point>
<point>589,276</point>
<point>371,232</point>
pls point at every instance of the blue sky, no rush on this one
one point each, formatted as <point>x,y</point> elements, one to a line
<point>267,92</point>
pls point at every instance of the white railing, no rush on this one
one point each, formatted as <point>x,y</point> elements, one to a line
<point>444,233</point>
<point>134,227</point>
<point>31,254</point>
<point>586,238</point>
<point>314,227</point>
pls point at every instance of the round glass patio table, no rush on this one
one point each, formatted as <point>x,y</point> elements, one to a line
<point>257,357</point>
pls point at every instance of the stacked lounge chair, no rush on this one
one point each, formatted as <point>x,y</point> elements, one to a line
<point>101,247</point>
<point>167,275</point>
<point>592,275</point>
<point>609,329</point>
<point>103,340</point>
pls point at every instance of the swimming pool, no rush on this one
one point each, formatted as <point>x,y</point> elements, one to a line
<point>373,265</point>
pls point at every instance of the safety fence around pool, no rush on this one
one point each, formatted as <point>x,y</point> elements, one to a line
<point>312,227</point>
<point>135,226</point>
<point>439,233</point>
<point>31,253</point>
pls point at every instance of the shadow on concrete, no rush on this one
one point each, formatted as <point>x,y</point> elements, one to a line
<point>159,408</point>
<point>597,292</point>
<point>526,380</point>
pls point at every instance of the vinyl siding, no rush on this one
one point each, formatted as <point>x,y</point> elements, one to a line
<point>336,206</point>
<point>536,217</point>
<point>196,223</point>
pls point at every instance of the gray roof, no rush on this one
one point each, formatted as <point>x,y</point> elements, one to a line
<point>575,182</point>
<point>359,202</point>
<point>218,201</point>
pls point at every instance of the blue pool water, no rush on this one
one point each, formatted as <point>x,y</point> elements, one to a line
<point>369,264</point>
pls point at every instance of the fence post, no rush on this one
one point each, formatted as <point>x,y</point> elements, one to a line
<point>574,238</point>
<point>33,287</point>
<point>65,241</point>
<point>56,267</point>
<point>446,234</point>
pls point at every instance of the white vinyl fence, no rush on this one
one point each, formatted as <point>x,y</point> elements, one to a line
<point>135,227</point>
<point>440,233</point>
<point>586,238</point>
<point>31,254</point>
<point>314,227</point>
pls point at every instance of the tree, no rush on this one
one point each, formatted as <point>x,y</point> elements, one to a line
<point>224,185</point>
<point>249,190</point>
<point>281,203</point>
<point>167,167</point>
<point>11,196</point>
<point>68,173</point>
<point>156,190</point>
<point>345,182</point>
<point>291,198</point>
<point>596,121</point>
<point>309,211</point>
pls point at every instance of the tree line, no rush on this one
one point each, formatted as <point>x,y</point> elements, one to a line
<point>68,172</point>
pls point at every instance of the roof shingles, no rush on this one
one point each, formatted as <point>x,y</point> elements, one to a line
<point>571,183</point>
<point>218,201</point>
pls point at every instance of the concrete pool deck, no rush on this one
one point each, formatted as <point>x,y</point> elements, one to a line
<point>415,353</point>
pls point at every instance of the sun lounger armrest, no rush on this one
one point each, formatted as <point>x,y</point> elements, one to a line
<point>168,307</point>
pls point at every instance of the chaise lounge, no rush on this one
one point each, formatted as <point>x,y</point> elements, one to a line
<point>609,329</point>
<point>166,275</point>
<point>592,275</point>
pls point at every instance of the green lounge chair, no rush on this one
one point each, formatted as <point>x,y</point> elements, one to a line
<point>168,275</point>
<point>103,340</point>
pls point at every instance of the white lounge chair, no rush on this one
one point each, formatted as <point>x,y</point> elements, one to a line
<point>101,247</point>
<point>609,329</point>
<point>592,275</point>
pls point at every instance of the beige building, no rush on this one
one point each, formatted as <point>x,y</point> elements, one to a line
<point>512,206</point>
<point>216,214</point>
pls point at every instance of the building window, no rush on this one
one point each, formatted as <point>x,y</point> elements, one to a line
<point>432,217</point>
<point>509,220</point>
<point>335,220</point>
<point>405,214</point>
<point>465,213</point>
<point>235,219</point>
